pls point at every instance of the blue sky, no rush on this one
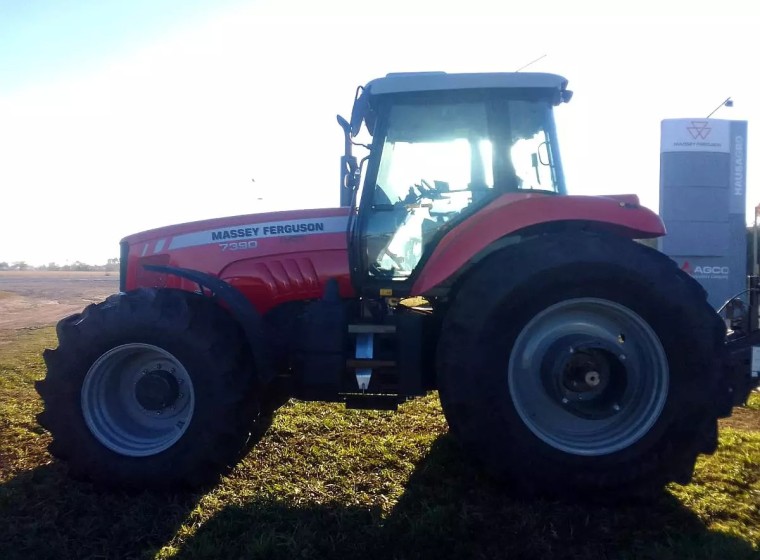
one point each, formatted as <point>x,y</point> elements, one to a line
<point>43,40</point>
<point>121,116</point>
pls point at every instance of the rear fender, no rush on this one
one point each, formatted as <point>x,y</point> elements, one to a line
<point>512,216</point>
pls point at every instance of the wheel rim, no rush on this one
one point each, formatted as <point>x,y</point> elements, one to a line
<point>137,399</point>
<point>588,376</point>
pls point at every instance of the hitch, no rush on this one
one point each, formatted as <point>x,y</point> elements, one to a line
<point>741,371</point>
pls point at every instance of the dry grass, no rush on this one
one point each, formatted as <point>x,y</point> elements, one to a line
<point>330,483</point>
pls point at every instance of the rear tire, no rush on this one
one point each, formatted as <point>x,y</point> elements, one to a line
<point>624,412</point>
<point>150,389</point>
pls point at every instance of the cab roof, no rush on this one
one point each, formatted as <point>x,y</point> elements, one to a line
<point>436,81</point>
<point>411,82</point>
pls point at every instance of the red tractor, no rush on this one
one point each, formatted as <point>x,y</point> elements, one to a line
<point>570,358</point>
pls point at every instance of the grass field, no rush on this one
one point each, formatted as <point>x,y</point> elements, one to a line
<point>330,483</point>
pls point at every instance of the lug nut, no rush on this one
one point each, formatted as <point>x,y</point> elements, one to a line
<point>622,357</point>
<point>616,407</point>
<point>564,400</point>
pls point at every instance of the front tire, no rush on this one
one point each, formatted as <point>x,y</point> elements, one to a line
<point>149,389</point>
<point>581,365</point>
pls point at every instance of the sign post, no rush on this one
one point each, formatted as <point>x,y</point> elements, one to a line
<point>755,263</point>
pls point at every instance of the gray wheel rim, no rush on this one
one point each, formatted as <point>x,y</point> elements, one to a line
<point>137,399</point>
<point>588,376</point>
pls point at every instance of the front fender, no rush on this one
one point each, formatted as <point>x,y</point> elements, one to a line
<point>511,213</point>
<point>239,307</point>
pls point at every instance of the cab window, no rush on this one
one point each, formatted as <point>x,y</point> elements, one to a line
<point>436,159</point>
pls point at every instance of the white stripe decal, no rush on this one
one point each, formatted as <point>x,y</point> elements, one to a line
<point>310,226</point>
<point>145,250</point>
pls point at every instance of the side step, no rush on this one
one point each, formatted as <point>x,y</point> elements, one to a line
<point>361,363</point>
<point>365,361</point>
<point>371,402</point>
<point>364,328</point>
<point>386,360</point>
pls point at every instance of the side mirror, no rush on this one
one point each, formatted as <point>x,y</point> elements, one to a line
<point>360,112</point>
<point>344,124</point>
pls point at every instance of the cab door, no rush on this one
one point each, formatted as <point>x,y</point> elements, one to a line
<point>434,163</point>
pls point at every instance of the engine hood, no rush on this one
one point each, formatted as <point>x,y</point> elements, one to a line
<point>271,258</point>
<point>247,226</point>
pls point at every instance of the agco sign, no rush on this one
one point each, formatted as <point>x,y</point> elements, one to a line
<point>706,271</point>
<point>711,270</point>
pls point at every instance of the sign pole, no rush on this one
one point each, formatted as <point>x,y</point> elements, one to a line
<point>755,264</point>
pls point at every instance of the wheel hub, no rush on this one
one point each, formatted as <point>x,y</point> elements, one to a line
<point>590,371</point>
<point>588,380</point>
<point>587,371</point>
<point>157,390</point>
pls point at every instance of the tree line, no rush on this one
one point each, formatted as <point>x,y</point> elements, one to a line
<point>111,265</point>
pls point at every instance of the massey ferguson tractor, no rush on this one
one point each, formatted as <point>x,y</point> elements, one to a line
<point>570,358</point>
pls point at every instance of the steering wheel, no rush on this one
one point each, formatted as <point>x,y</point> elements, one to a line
<point>426,189</point>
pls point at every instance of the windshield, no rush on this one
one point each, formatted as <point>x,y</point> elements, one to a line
<point>439,159</point>
<point>432,143</point>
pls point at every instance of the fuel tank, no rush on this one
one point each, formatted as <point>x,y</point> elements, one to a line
<point>272,258</point>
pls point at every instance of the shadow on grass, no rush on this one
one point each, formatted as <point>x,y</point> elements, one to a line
<point>46,515</point>
<point>449,510</point>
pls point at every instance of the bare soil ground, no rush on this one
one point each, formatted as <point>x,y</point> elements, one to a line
<point>34,299</point>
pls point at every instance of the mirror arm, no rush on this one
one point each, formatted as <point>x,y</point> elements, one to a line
<point>348,166</point>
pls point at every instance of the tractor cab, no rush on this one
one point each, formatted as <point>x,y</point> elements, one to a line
<point>443,146</point>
